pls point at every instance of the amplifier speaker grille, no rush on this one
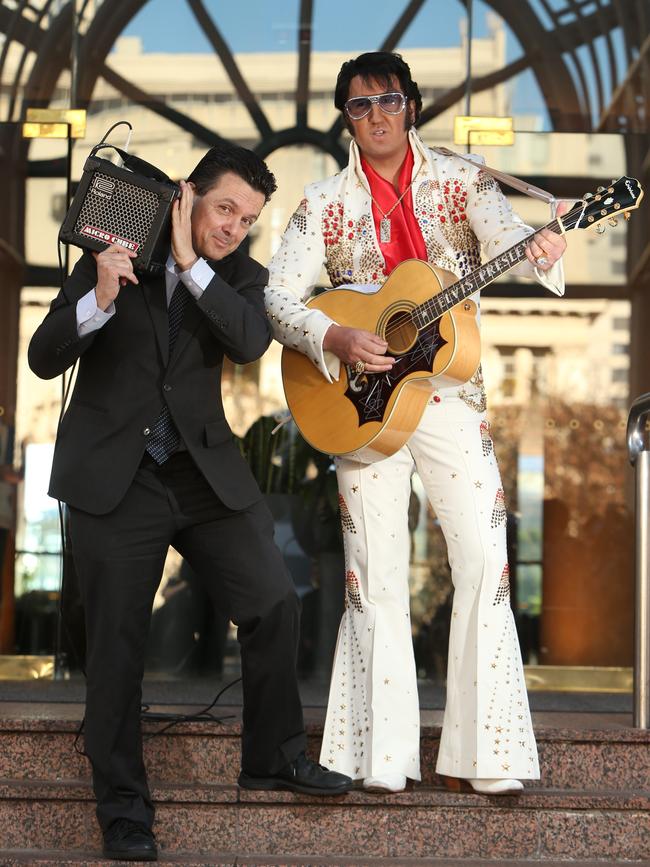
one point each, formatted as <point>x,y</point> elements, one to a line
<point>115,206</point>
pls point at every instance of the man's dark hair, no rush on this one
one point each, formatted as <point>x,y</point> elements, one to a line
<point>228,157</point>
<point>382,67</point>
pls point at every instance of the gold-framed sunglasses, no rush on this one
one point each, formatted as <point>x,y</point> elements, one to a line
<point>389,103</point>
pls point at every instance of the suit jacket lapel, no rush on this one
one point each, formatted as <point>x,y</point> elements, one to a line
<point>155,293</point>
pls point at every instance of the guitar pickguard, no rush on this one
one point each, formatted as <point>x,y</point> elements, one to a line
<point>370,392</point>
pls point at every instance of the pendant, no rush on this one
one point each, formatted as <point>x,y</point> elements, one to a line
<point>384,231</point>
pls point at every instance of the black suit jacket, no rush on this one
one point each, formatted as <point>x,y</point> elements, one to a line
<point>125,374</point>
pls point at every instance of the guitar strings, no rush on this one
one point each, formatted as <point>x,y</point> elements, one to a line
<point>406,318</point>
<point>434,302</point>
<point>569,221</point>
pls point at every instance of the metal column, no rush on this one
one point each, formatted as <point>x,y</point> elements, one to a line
<point>638,444</point>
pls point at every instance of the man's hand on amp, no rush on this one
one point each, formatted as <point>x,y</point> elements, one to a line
<point>182,244</point>
<point>114,270</point>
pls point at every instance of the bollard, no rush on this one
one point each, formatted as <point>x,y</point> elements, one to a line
<point>638,445</point>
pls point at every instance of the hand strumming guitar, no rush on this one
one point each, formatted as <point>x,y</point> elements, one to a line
<point>352,345</point>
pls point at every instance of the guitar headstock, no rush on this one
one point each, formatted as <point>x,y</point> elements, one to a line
<point>607,203</point>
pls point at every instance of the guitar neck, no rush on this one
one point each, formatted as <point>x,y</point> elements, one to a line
<point>434,308</point>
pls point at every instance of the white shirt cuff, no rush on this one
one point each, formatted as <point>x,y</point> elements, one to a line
<point>89,316</point>
<point>197,278</point>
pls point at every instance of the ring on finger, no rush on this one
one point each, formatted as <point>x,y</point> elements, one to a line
<point>542,260</point>
<point>359,366</point>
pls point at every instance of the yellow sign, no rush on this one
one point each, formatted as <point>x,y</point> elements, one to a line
<point>480,130</point>
<point>53,123</point>
<point>45,130</point>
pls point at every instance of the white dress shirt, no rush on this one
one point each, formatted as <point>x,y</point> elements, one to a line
<point>196,279</point>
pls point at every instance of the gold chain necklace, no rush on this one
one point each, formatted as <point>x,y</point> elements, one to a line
<point>384,223</point>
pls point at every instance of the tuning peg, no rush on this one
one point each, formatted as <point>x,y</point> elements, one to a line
<point>613,221</point>
<point>588,196</point>
<point>600,228</point>
<point>600,189</point>
<point>627,216</point>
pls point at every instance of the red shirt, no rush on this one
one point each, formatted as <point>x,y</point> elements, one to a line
<point>406,241</point>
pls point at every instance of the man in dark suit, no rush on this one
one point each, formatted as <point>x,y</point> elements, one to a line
<point>144,458</point>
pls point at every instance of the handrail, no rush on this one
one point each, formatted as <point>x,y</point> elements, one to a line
<point>638,445</point>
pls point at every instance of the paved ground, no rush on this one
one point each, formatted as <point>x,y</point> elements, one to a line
<point>42,699</point>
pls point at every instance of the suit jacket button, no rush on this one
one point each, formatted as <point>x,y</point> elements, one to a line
<point>167,387</point>
<point>146,431</point>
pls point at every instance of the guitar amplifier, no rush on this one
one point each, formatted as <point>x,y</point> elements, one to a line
<point>130,206</point>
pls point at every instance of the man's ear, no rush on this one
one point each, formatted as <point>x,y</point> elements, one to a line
<point>348,123</point>
<point>410,108</point>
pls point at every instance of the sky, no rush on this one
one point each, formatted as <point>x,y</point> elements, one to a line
<point>338,25</point>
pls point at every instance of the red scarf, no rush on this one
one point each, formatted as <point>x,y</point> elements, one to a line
<point>406,240</point>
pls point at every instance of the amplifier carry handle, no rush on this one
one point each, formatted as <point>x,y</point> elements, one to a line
<point>136,164</point>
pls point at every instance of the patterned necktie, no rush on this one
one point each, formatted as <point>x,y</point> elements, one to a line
<point>165,438</point>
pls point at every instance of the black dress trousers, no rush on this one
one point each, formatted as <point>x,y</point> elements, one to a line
<point>120,558</point>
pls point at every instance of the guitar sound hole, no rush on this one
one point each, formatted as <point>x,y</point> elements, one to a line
<point>400,333</point>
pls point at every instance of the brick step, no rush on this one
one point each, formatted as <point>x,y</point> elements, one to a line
<point>220,859</point>
<point>194,821</point>
<point>205,754</point>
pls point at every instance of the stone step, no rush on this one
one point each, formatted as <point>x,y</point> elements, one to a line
<point>198,821</point>
<point>220,859</point>
<point>208,754</point>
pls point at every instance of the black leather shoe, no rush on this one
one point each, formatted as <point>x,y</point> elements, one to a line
<point>126,840</point>
<point>300,775</point>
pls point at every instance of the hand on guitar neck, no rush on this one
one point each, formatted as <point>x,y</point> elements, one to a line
<point>352,345</point>
<point>546,246</point>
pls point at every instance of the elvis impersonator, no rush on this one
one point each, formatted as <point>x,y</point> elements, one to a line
<point>396,200</point>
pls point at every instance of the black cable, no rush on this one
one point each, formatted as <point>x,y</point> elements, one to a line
<point>66,383</point>
<point>174,719</point>
<point>104,144</point>
<point>110,130</point>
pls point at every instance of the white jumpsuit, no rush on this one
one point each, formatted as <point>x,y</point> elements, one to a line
<point>373,721</point>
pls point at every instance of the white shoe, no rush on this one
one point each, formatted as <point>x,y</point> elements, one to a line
<point>385,783</point>
<point>489,786</point>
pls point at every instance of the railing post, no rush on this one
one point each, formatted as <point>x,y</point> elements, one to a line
<point>638,444</point>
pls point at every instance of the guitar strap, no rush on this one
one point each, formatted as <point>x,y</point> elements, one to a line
<point>511,181</point>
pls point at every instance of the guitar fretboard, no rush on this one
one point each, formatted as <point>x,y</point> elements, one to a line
<point>434,308</point>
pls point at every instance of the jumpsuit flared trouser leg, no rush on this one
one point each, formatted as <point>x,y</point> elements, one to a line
<point>373,721</point>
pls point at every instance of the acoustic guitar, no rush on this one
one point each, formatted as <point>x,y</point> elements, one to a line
<point>428,319</point>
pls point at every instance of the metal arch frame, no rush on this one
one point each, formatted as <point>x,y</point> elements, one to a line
<point>545,49</point>
<point>568,104</point>
<point>568,109</point>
